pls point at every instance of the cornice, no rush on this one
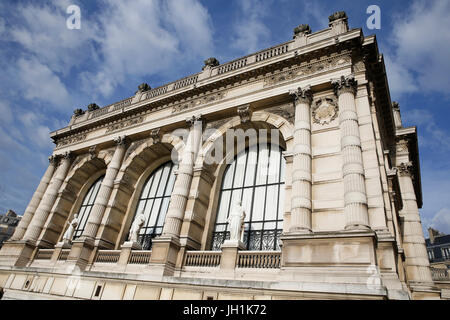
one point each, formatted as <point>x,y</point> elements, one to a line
<point>215,82</point>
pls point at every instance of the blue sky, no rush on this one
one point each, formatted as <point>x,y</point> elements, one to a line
<point>47,70</point>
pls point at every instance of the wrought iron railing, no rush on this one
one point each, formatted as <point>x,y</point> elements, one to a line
<point>107,256</point>
<point>259,259</point>
<point>264,240</point>
<point>140,257</point>
<point>202,259</point>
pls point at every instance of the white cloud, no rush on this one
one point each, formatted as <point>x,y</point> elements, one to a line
<point>441,220</point>
<point>6,113</point>
<point>421,48</point>
<point>39,82</point>
<point>250,31</point>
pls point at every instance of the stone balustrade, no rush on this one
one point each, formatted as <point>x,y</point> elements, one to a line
<point>107,256</point>
<point>44,254</point>
<point>259,259</point>
<point>440,274</point>
<point>202,259</point>
<point>140,257</point>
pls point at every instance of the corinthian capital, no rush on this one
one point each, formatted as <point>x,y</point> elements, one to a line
<point>302,95</point>
<point>121,140</point>
<point>405,168</point>
<point>68,155</point>
<point>344,84</point>
<point>192,120</point>
<point>53,160</point>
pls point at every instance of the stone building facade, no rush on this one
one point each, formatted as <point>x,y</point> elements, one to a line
<point>328,177</point>
<point>8,223</point>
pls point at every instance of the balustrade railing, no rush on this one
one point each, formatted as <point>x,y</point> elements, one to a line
<point>140,257</point>
<point>202,259</point>
<point>272,52</point>
<point>64,254</point>
<point>107,256</point>
<point>185,82</point>
<point>259,259</point>
<point>44,254</point>
<point>440,274</point>
<point>233,65</point>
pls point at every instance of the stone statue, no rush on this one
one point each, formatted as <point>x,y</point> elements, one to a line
<point>136,227</point>
<point>236,222</point>
<point>68,235</point>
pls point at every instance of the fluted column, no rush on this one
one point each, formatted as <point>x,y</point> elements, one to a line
<point>417,263</point>
<point>301,170</point>
<point>46,204</point>
<point>355,197</point>
<point>178,200</point>
<point>35,200</point>
<point>96,215</point>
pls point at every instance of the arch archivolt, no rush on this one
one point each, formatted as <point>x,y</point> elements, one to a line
<point>206,211</point>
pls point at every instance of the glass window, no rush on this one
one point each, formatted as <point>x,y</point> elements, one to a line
<point>86,207</point>
<point>154,202</point>
<point>256,177</point>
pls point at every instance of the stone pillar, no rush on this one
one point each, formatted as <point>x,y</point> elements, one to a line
<point>96,215</point>
<point>46,204</point>
<point>178,200</point>
<point>355,197</point>
<point>35,200</point>
<point>301,169</point>
<point>416,258</point>
<point>166,248</point>
<point>84,249</point>
<point>338,22</point>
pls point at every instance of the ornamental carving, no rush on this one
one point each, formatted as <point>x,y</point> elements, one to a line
<point>245,113</point>
<point>123,124</point>
<point>324,111</point>
<point>405,168</point>
<point>134,145</point>
<point>198,101</point>
<point>303,28</point>
<point>308,69</point>
<point>344,84</point>
<point>211,62</point>
<point>71,140</point>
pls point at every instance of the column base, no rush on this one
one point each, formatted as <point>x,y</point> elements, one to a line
<point>300,230</point>
<point>357,227</point>
<point>164,256</point>
<point>230,250</point>
<point>17,253</point>
<point>81,253</point>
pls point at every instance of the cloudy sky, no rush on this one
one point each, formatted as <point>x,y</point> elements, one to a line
<point>48,70</point>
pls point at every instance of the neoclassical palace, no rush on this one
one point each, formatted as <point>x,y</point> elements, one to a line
<point>138,197</point>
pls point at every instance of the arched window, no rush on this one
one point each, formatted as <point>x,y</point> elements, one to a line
<point>86,207</point>
<point>256,177</point>
<point>154,202</point>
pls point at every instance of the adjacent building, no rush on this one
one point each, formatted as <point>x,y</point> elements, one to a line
<point>140,196</point>
<point>8,223</point>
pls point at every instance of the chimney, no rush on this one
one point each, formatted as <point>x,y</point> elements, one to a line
<point>433,233</point>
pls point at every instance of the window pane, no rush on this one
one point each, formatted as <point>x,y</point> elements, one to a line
<point>240,169</point>
<point>223,208</point>
<point>154,202</point>
<point>258,204</point>
<point>271,203</point>
<point>251,166</point>
<point>228,176</point>
<point>263,162</point>
<point>256,181</point>
<point>274,165</point>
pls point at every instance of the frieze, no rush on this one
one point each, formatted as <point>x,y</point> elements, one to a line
<point>71,140</point>
<point>198,101</point>
<point>324,110</point>
<point>309,69</point>
<point>123,124</point>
